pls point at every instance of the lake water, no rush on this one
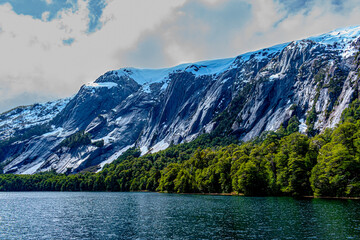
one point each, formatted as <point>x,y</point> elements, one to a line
<point>97,215</point>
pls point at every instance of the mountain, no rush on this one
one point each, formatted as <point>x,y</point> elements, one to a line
<point>24,117</point>
<point>313,79</point>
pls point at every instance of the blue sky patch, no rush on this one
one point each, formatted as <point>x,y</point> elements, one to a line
<point>68,41</point>
<point>36,8</point>
<point>96,9</point>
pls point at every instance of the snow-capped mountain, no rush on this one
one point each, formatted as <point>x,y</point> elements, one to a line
<point>152,108</point>
<point>24,117</point>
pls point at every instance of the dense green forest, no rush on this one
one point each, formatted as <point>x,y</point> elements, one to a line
<point>278,163</point>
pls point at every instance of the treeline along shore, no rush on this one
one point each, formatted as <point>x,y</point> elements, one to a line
<point>281,163</point>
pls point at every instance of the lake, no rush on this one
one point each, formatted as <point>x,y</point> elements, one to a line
<point>103,215</point>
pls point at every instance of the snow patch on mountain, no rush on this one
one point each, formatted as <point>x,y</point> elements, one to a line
<point>101,84</point>
<point>340,35</point>
<point>263,53</point>
<point>340,40</point>
<point>27,116</point>
<point>212,67</point>
<point>147,76</point>
<point>146,88</point>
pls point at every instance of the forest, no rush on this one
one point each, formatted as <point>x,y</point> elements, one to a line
<point>281,163</point>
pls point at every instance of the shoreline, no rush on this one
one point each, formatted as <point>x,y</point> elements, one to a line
<point>213,194</point>
<point>241,194</point>
<point>325,197</point>
<point>209,194</point>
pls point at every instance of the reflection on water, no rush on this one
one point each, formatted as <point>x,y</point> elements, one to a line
<point>49,215</point>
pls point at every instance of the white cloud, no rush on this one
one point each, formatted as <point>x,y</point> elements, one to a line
<point>279,26</point>
<point>212,2</point>
<point>35,62</point>
<point>198,31</point>
<point>45,16</point>
<point>48,1</point>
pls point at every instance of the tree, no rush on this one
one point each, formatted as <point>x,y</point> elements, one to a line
<point>293,125</point>
<point>332,174</point>
<point>253,181</point>
<point>168,176</point>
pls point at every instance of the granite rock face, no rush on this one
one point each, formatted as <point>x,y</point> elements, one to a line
<point>153,108</point>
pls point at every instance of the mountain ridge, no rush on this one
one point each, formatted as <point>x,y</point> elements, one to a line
<point>151,109</point>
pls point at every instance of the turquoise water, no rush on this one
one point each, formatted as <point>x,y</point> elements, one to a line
<point>96,215</point>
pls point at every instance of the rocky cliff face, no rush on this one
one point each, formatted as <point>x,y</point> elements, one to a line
<point>313,79</point>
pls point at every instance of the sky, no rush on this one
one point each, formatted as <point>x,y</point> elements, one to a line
<point>50,48</point>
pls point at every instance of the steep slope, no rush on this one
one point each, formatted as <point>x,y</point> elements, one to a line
<point>313,79</point>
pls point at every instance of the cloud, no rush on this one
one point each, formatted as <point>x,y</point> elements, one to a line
<point>294,6</point>
<point>197,30</point>
<point>147,53</point>
<point>36,61</point>
<point>209,29</point>
<point>304,20</point>
<point>45,16</point>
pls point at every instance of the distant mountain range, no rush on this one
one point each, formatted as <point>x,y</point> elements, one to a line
<point>313,79</point>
